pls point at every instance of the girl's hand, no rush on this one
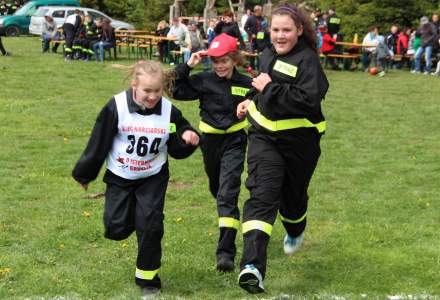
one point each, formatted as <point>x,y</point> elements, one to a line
<point>85,186</point>
<point>190,137</point>
<point>196,58</point>
<point>261,81</point>
<point>242,108</point>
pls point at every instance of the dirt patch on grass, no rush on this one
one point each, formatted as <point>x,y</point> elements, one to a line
<point>178,185</point>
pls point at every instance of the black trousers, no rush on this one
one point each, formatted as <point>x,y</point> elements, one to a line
<point>87,46</point>
<point>139,208</point>
<point>69,33</point>
<point>2,49</point>
<point>280,167</point>
<point>223,156</point>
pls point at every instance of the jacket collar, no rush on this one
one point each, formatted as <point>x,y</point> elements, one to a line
<point>134,107</point>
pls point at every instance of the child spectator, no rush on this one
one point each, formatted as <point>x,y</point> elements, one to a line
<point>210,33</point>
<point>135,132</point>
<point>328,47</point>
<point>391,41</point>
<point>229,26</point>
<point>382,54</point>
<point>370,43</point>
<point>91,35</point>
<point>262,40</point>
<point>402,46</point>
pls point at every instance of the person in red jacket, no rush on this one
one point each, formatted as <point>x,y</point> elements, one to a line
<point>328,47</point>
<point>402,46</point>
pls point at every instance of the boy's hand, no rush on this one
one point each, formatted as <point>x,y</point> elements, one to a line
<point>85,186</point>
<point>196,58</point>
<point>190,137</point>
<point>242,108</point>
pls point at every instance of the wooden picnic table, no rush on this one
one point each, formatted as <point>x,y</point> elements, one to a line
<point>354,45</point>
<point>155,39</point>
<point>143,40</point>
<point>132,31</point>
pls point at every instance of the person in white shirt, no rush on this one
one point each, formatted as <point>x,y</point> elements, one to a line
<point>177,31</point>
<point>244,19</point>
<point>370,43</point>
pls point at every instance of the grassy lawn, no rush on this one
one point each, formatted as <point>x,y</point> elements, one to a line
<point>374,215</point>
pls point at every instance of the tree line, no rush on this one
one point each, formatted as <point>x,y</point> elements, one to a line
<point>357,15</point>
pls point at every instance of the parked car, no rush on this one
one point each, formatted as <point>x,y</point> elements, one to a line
<point>18,23</point>
<point>60,13</point>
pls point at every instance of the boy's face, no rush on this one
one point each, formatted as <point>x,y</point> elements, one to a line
<point>284,33</point>
<point>223,66</point>
<point>227,19</point>
<point>148,90</point>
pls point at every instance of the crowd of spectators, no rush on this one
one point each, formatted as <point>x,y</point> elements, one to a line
<point>414,48</point>
<point>10,7</point>
<point>85,39</point>
<point>252,33</point>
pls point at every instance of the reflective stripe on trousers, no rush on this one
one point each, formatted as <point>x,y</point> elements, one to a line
<point>257,225</point>
<point>206,128</point>
<point>228,222</point>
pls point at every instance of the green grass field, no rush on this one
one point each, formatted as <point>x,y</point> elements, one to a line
<point>374,216</point>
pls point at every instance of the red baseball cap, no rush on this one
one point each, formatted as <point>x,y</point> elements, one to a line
<point>222,45</point>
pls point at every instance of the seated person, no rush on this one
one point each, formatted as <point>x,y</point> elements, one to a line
<point>48,31</point>
<point>107,41</point>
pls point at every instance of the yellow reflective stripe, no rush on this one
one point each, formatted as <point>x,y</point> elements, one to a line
<point>285,68</point>
<point>228,222</point>
<point>172,127</point>
<point>335,21</point>
<point>239,91</point>
<point>284,219</point>
<point>282,124</point>
<point>257,225</point>
<point>260,35</point>
<point>206,128</point>
<point>147,275</point>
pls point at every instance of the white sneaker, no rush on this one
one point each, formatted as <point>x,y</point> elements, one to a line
<point>251,280</point>
<point>415,72</point>
<point>426,73</point>
<point>291,244</point>
<point>435,74</point>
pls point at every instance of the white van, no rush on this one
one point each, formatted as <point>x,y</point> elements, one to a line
<point>60,13</point>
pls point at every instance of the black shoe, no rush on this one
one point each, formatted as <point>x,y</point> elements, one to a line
<point>149,292</point>
<point>225,264</point>
<point>7,53</point>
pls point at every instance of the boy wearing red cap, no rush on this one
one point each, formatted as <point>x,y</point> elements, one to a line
<point>224,139</point>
